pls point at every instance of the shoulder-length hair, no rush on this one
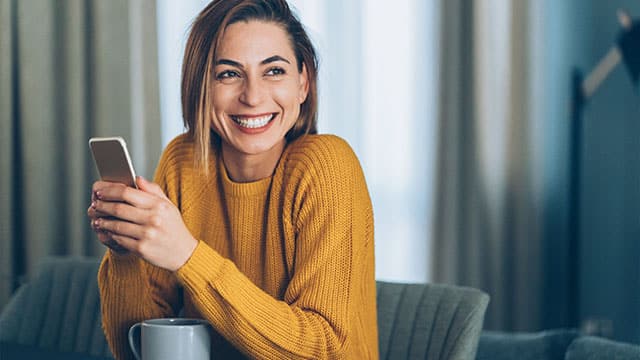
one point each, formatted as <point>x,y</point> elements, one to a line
<point>199,59</point>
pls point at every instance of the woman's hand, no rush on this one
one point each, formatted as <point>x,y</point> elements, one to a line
<point>103,236</point>
<point>142,221</point>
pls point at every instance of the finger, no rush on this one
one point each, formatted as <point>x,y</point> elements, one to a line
<point>99,185</point>
<point>105,238</point>
<point>129,195</point>
<point>93,214</point>
<point>150,187</point>
<point>126,243</point>
<point>120,210</point>
<point>93,223</point>
<point>119,227</point>
<point>114,246</point>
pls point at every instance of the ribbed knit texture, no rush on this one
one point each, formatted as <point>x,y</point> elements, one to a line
<point>284,267</point>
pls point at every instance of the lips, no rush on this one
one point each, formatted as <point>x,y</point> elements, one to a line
<point>253,122</point>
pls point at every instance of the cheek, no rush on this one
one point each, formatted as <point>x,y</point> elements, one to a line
<point>289,98</point>
<point>223,96</point>
<point>222,100</point>
<point>214,115</point>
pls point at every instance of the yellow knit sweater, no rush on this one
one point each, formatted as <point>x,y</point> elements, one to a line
<point>284,267</point>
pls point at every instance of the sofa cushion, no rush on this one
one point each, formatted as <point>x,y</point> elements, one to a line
<point>592,348</point>
<point>544,345</point>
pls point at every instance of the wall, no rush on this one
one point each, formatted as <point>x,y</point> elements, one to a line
<point>579,33</point>
<point>610,258</point>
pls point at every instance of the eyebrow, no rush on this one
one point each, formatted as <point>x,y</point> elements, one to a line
<point>268,60</point>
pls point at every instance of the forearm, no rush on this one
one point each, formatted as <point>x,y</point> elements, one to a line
<point>255,322</point>
<point>132,291</point>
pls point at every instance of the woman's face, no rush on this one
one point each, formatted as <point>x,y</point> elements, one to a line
<point>257,89</point>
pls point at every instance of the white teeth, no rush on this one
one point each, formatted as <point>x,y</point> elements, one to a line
<point>252,123</point>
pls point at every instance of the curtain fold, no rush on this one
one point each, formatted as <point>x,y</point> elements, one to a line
<point>486,228</point>
<point>455,124</point>
<point>69,71</point>
<point>6,153</point>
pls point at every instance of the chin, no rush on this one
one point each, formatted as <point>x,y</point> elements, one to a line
<point>255,147</point>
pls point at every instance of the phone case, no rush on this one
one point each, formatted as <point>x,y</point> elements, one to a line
<point>112,160</point>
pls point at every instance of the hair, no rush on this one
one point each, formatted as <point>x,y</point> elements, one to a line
<point>199,58</point>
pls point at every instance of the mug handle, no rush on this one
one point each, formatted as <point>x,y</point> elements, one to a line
<point>134,340</point>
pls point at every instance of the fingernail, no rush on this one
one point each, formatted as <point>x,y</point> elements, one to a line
<point>98,194</point>
<point>96,224</point>
<point>93,204</point>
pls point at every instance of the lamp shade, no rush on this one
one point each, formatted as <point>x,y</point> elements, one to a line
<point>629,44</point>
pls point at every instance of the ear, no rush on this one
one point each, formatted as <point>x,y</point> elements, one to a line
<point>303,89</point>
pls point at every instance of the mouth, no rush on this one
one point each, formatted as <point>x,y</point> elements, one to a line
<point>253,122</point>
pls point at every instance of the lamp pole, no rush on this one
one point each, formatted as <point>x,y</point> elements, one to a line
<point>575,161</point>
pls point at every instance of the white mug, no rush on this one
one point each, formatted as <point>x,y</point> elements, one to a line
<point>170,339</point>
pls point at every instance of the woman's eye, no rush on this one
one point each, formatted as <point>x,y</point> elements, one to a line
<point>227,74</point>
<point>275,71</point>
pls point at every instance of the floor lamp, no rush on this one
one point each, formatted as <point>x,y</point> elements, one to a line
<point>627,50</point>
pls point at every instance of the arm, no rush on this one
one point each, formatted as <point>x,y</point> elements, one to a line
<point>312,321</point>
<point>132,290</point>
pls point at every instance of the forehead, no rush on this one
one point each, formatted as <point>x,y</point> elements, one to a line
<point>254,41</point>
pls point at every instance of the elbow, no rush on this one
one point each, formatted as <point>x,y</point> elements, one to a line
<point>337,343</point>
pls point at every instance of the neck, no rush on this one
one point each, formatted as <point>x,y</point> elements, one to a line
<point>245,168</point>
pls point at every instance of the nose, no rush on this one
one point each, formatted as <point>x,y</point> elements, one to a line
<point>252,92</point>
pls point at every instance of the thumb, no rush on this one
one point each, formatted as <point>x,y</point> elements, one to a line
<point>150,187</point>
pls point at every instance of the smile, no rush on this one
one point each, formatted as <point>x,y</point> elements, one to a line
<point>252,122</point>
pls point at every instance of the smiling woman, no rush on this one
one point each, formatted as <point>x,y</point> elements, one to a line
<point>253,222</point>
<point>291,47</point>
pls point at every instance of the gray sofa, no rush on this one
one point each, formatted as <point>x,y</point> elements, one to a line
<point>556,344</point>
<point>58,309</point>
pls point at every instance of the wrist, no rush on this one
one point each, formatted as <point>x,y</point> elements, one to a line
<point>189,248</point>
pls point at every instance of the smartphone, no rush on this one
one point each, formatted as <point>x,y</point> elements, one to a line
<point>112,160</point>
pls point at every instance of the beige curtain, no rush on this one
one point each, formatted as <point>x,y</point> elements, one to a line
<point>69,70</point>
<point>487,227</point>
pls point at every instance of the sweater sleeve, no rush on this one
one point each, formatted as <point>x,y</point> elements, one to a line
<point>132,290</point>
<point>312,321</point>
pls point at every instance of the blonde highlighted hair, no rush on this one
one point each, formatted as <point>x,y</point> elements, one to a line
<point>199,59</point>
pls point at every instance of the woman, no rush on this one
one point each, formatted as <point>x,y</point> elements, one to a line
<point>254,223</point>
